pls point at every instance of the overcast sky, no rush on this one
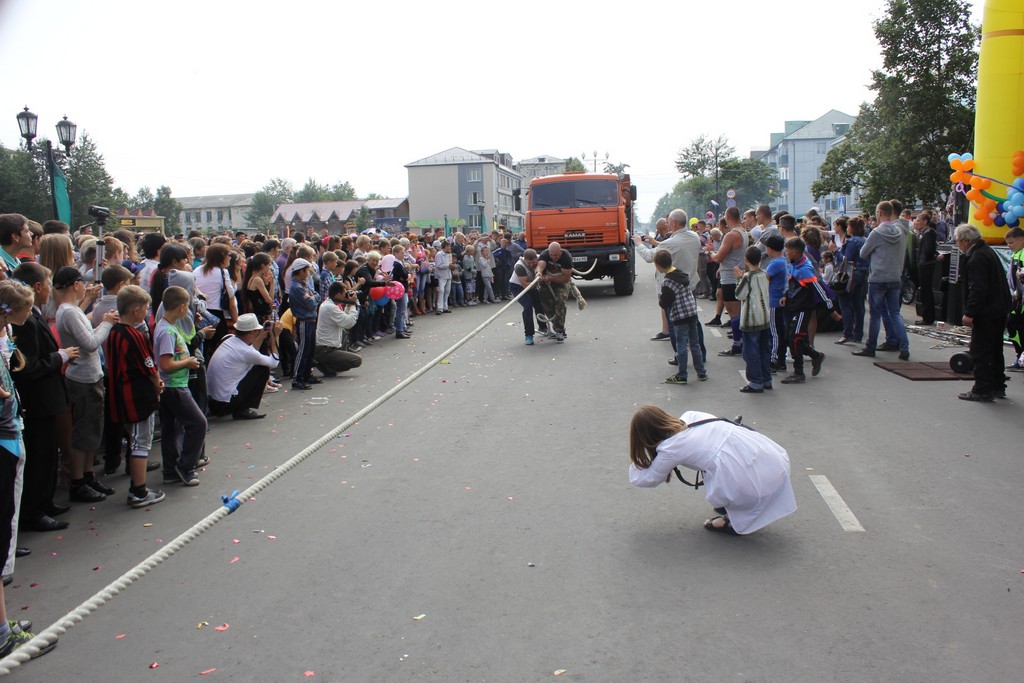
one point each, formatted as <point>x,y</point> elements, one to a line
<point>219,96</point>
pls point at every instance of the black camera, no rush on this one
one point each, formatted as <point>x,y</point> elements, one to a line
<point>99,212</point>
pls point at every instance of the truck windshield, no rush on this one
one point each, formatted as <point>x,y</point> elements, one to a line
<point>572,194</point>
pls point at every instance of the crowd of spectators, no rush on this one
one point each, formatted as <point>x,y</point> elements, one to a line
<point>130,343</point>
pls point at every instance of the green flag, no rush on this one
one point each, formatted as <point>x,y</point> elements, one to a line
<point>60,195</point>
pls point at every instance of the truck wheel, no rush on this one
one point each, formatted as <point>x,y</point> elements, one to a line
<point>623,281</point>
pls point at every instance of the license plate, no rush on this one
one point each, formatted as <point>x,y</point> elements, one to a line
<point>579,259</point>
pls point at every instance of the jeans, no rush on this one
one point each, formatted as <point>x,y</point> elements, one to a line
<point>757,354</point>
<point>180,420</point>
<point>885,306</point>
<point>444,290</point>
<point>401,315</point>
<point>458,296</point>
<point>686,336</point>
<point>421,283</point>
<point>851,304</point>
<point>530,304</point>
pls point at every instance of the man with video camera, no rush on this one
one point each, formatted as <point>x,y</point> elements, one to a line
<point>337,314</point>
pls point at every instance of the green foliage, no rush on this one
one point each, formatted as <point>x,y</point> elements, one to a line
<point>312,192</point>
<point>169,208</point>
<point>923,109</point>
<point>265,202</point>
<point>23,186</point>
<point>363,220</point>
<point>88,181</point>
<point>374,195</point>
<point>574,164</point>
<point>704,156</point>
<point>751,179</point>
<point>342,192</point>
<point>617,169</point>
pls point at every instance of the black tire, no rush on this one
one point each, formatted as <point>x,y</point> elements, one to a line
<point>624,278</point>
<point>908,293</point>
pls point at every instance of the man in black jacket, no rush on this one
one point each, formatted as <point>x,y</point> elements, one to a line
<point>927,260</point>
<point>986,303</point>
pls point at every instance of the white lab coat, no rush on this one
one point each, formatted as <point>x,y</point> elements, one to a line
<point>744,471</point>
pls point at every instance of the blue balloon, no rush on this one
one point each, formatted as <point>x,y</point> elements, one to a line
<point>1019,184</point>
<point>999,221</point>
<point>999,207</point>
<point>383,301</point>
<point>967,157</point>
<point>952,156</point>
<point>1014,223</point>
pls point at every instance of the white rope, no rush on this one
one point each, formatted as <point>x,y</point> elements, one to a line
<point>61,626</point>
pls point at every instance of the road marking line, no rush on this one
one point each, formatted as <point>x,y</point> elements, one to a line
<point>743,374</point>
<point>715,333</point>
<point>836,504</point>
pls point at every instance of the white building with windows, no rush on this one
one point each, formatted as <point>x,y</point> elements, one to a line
<point>215,213</point>
<point>540,166</point>
<point>797,154</point>
<point>464,190</point>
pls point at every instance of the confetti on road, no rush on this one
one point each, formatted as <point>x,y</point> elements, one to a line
<point>234,559</point>
<point>272,538</point>
<point>202,624</point>
<point>235,541</point>
<point>33,585</point>
<point>96,569</point>
<point>120,636</point>
<point>559,672</point>
<point>208,671</point>
<point>420,617</point>
<point>309,674</point>
<point>222,627</point>
<point>444,361</point>
<point>148,524</point>
<point>154,665</point>
<point>530,564</point>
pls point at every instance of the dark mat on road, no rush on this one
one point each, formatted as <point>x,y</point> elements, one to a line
<point>924,372</point>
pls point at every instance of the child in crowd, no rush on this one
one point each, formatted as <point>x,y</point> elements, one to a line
<point>180,416</point>
<point>680,306</point>
<point>778,279</point>
<point>485,264</point>
<point>828,266</point>
<point>804,296</point>
<point>16,301</point>
<point>469,274</point>
<point>304,303</point>
<point>133,388</point>
<point>458,297</point>
<point>755,316</point>
<point>84,380</point>
<point>114,277</point>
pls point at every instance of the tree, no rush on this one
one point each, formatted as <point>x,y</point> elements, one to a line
<point>363,220</point>
<point>574,164</point>
<point>750,178</point>
<point>23,186</point>
<point>142,200</point>
<point>266,201</point>
<point>88,181</point>
<point>164,205</point>
<point>373,195</point>
<point>313,192</point>
<point>923,108</point>
<point>617,169</point>
<point>343,192</point>
<point>704,156</point>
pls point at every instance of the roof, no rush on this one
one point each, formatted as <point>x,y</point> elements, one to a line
<point>543,159</point>
<point>389,203</point>
<point>221,201</point>
<point>454,155</point>
<point>324,211</point>
<point>821,127</point>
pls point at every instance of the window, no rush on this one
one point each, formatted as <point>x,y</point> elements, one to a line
<point>209,216</point>
<point>575,194</point>
<point>821,148</point>
<point>473,197</point>
<point>220,216</point>
<point>473,175</point>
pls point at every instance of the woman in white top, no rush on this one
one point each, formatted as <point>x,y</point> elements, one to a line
<point>213,280</point>
<point>746,474</point>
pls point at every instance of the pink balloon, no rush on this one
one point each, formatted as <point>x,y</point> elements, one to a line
<point>395,291</point>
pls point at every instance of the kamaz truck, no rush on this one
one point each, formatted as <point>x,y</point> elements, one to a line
<point>591,216</point>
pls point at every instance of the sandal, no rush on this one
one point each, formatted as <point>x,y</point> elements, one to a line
<point>726,528</point>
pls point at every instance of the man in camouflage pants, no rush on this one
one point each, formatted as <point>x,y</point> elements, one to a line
<point>554,270</point>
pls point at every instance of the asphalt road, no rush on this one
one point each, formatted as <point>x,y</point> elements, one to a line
<point>480,527</point>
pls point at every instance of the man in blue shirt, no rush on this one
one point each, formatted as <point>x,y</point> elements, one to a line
<point>778,274</point>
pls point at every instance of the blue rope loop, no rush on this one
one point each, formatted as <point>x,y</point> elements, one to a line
<point>231,502</point>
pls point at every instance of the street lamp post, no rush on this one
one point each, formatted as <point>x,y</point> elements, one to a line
<point>483,215</point>
<point>66,133</point>
<point>606,157</point>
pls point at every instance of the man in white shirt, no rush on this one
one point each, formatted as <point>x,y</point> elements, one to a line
<point>151,244</point>
<point>337,314</point>
<point>238,372</point>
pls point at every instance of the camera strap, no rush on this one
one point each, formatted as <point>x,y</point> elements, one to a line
<point>698,480</point>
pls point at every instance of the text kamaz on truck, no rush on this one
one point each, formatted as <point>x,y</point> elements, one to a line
<point>590,215</point>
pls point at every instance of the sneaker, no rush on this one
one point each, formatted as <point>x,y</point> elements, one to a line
<point>904,355</point>
<point>863,353</point>
<point>203,461</point>
<point>975,396</point>
<point>529,340</point>
<point>187,478</point>
<point>731,352</point>
<point>171,479</point>
<point>675,379</point>
<point>887,347</point>
<point>714,322</point>
<point>299,386</point>
<point>794,379</point>
<point>314,380</point>
<point>661,336</point>
<point>85,494</point>
<point>271,389</point>
<point>19,638</point>
<point>355,348</point>
<point>702,376</point>
<point>673,361</point>
<point>17,625</point>
<point>816,364</point>
<point>151,498</point>
<point>97,486</point>
<point>559,338</point>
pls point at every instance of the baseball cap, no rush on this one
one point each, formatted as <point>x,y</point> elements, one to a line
<point>66,276</point>
<point>298,264</point>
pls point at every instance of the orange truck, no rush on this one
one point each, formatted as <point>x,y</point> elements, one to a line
<point>591,216</point>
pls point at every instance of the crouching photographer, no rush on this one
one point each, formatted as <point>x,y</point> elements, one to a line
<point>337,314</point>
<point>237,372</point>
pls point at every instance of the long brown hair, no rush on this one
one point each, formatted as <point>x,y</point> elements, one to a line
<point>650,426</point>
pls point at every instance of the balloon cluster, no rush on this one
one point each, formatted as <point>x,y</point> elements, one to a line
<point>992,209</point>
<point>393,291</point>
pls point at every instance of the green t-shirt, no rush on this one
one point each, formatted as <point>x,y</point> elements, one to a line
<point>168,340</point>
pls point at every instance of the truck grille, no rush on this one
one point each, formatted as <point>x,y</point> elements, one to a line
<point>571,237</point>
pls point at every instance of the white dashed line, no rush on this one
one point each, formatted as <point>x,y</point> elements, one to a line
<point>743,374</point>
<point>715,332</point>
<point>835,502</point>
